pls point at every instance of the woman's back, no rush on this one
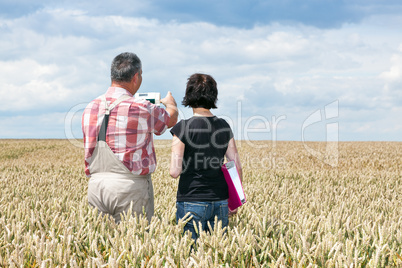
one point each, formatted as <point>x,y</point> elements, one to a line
<point>206,140</point>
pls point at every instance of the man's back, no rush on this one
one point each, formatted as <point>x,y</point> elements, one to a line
<point>129,132</point>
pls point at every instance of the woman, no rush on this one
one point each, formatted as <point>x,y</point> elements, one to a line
<point>199,147</point>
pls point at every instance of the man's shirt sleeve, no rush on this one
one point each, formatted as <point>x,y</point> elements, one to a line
<point>159,119</point>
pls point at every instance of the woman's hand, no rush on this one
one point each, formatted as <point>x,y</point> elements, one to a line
<point>232,212</point>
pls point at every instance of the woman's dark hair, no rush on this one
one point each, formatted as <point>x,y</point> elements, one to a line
<point>124,67</point>
<point>201,92</point>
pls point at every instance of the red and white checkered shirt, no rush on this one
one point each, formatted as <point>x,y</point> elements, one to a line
<point>132,124</point>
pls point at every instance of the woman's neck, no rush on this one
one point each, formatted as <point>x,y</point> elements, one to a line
<point>202,112</point>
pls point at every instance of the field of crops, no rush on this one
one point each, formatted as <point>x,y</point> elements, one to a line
<point>301,211</point>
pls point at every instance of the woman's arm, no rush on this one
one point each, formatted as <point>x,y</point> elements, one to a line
<point>177,157</point>
<point>233,155</point>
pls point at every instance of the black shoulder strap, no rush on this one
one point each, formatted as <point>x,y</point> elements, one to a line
<point>103,129</point>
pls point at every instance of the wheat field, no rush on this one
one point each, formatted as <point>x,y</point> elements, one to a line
<point>300,211</point>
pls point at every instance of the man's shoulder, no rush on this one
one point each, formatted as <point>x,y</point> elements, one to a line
<point>93,104</point>
<point>129,101</point>
<point>136,102</point>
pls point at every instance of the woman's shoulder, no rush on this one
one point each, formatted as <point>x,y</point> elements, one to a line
<point>202,120</point>
<point>221,121</point>
<point>182,122</point>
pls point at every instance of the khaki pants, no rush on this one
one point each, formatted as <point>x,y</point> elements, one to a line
<point>114,194</point>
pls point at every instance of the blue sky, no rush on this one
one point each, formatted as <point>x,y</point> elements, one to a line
<point>285,71</point>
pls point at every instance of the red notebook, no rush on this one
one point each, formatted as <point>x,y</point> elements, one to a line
<point>236,192</point>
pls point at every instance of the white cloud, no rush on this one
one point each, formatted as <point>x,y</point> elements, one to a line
<point>395,71</point>
<point>54,59</point>
<point>25,86</point>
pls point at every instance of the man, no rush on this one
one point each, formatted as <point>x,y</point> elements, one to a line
<point>118,139</point>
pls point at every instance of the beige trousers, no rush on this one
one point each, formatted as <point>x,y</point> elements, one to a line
<point>113,189</point>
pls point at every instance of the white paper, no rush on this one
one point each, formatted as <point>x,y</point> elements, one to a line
<point>234,175</point>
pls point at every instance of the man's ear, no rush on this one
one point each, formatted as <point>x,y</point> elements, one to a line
<point>135,78</point>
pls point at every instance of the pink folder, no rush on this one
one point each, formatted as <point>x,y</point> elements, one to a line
<point>236,192</point>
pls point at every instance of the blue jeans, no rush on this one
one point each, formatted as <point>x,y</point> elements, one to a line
<point>203,212</point>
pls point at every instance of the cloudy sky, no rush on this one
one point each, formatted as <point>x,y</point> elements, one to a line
<point>286,70</point>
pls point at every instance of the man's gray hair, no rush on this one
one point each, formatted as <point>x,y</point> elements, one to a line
<point>124,67</point>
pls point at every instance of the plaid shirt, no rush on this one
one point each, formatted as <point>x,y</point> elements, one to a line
<point>129,132</point>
